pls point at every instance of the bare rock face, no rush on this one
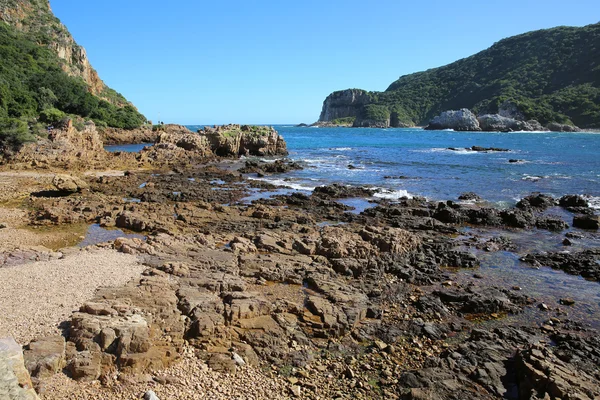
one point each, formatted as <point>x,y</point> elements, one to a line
<point>33,16</point>
<point>224,141</point>
<point>15,382</point>
<point>499,123</point>
<point>461,120</point>
<point>65,146</point>
<point>343,104</point>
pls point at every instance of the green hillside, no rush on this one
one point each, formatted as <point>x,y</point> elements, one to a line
<point>36,86</point>
<point>550,75</point>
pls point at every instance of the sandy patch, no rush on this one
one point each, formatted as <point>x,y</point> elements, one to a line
<point>35,298</point>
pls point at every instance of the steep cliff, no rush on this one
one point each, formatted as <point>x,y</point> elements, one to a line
<point>46,76</point>
<point>550,75</point>
<point>35,18</point>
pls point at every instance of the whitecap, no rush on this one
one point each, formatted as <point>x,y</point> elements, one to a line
<point>283,183</point>
<point>393,194</point>
<point>593,201</point>
<point>341,148</point>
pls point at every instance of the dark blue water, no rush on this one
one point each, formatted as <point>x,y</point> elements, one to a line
<point>421,163</point>
<point>127,148</point>
<point>554,163</point>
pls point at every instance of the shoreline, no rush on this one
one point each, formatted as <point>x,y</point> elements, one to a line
<point>311,297</point>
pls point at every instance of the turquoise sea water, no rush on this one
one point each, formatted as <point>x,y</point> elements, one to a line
<point>420,163</point>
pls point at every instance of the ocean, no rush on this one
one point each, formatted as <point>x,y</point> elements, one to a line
<point>416,162</point>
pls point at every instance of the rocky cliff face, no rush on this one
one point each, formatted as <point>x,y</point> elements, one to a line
<point>344,104</point>
<point>36,17</point>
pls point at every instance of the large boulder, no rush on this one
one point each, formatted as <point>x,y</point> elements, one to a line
<point>15,382</point>
<point>68,183</point>
<point>556,127</point>
<point>499,123</point>
<point>461,120</point>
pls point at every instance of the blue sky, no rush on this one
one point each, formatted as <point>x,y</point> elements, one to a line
<point>260,62</point>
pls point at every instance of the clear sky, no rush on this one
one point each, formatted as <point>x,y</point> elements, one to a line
<point>255,62</point>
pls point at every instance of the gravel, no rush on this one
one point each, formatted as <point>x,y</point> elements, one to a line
<point>188,379</point>
<point>35,298</point>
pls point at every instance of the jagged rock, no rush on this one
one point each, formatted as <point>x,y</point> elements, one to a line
<point>499,123</point>
<point>470,196</point>
<point>461,120</point>
<point>541,373</point>
<point>585,263</point>
<point>538,201</point>
<point>68,184</point>
<point>573,200</point>
<point>45,357</point>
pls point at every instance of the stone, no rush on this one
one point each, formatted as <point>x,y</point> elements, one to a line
<point>567,301</point>
<point>296,390</point>
<point>556,127</point>
<point>68,184</point>
<point>15,381</point>
<point>45,357</point>
<point>238,359</point>
<point>150,395</point>
<point>585,221</point>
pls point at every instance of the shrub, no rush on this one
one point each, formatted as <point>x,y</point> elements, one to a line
<point>14,133</point>
<point>52,116</point>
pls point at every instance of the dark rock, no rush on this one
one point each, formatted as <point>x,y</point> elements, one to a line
<point>591,222</point>
<point>573,200</point>
<point>469,196</point>
<point>539,201</point>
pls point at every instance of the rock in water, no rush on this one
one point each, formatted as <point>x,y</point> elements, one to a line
<point>461,120</point>
<point>68,184</point>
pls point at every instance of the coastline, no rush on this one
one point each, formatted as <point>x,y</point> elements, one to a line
<point>406,281</point>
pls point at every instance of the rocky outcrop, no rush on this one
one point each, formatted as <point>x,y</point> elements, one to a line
<point>461,120</point>
<point>499,123</point>
<point>225,141</point>
<point>144,134</point>
<point>35,16</point>
<point>66,145</point>
<point>344,104</point>
<point>556,127</point>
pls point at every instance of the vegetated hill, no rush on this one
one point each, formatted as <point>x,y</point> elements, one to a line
<point>45,75</point>
<point>550,75</point>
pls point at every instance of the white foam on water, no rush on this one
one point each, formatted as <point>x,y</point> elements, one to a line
<point>393,194</point>
<point>593,201</point>
<point>283,183</point>
<point>533,178</point>
<point>341,148</point>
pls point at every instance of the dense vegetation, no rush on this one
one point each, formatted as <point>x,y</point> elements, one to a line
<point>33,87</point>
<point>551,75</point>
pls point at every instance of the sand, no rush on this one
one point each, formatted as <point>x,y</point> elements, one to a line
<point>35,298</point>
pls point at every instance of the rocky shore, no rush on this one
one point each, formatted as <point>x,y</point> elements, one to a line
<point>292,296</point>
<point>505,121</point>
